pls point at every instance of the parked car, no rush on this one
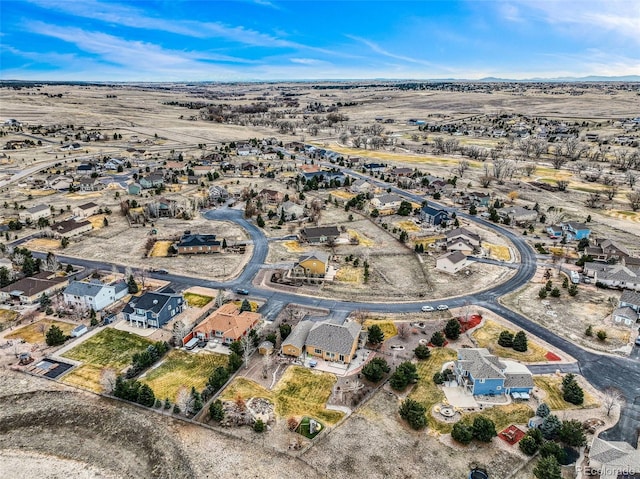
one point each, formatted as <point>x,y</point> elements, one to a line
<point>638,341</point>
<point>242,291</point>
<point>160,271</point>
<point>442,307</point>
<point>426,308</point>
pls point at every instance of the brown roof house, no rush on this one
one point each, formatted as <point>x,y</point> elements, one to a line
<point>29,290</point>
<point>321,234</point>
<point>325,340</point>
<point>227,324</point>
<point>86,210</point>
<point>69,228</point>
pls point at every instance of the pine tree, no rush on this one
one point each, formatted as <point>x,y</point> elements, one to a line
<point>520,342</point>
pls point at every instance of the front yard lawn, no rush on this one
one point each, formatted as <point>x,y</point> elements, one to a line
<point>36,332</point>
<point>552,386</point>
<point>300,392</point>
<point>182,369</point>
<point>109,348</point>
<point>487,337</point>
<point>86,376</point>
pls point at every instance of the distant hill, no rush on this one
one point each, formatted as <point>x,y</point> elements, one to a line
<point>592,78</point>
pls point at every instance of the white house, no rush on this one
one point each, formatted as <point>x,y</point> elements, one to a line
<point>388,201</point>
<point>452,262</point>
<point>34,213</point>
<point>86,210</point>
<point>94,294</point>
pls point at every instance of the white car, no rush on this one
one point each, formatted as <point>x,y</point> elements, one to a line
<point>442,307</point>
<point>426,308</point>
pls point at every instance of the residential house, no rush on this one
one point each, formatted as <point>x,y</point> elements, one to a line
<point>576,231</point>
<point>153,180</point>
<point>625,315</point>
<point>153,309</point>
<point>321,234</point>
<point>29,290</point>
<point>59,182</point>
<point>613,459</point>
<point>452,262</point>
<point>247,150</point>
<point>94,294</point>
<point>271,197</point>
<point>69,228</point>
<point>605,249</point>
<point>555,231</point>
<point>374,167</point>
<point>614,276</point>
<point>202,170</point>
<point>519,215</point>
<point>34,213</point>
<point>71,147</point>
<point>192,180</point>
<point>85,169</point>
<point>113,164</point>
<point>86,210</point>
<point>249,166</point>
<point>630,299</point>
<point>401,171</point>
<point>460,244</point>
<point>218,193</point>
<point>475,198</point>
<point>311,265</point>
<point>227,324</point>
<point>290,211</point>
<point>198,244</point>
<point>362,186</point>
<point>483,374</point>
<point>386,203</point>
<point>433,215</point>
<point>325,340</point>
<point>463,234</point>
<point>90,184</point>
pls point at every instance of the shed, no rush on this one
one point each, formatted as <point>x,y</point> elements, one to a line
<point>79,331</point>
<point>265,348</point>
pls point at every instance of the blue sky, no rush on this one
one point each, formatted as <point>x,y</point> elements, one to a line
<point>181,40</point>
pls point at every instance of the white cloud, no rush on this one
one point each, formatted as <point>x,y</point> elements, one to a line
<point>306,61</point>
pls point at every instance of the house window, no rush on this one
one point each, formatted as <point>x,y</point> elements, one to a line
<point>498,388</point>
<point>341,357</point>
<point>481,381</point>
<point>317,351</point>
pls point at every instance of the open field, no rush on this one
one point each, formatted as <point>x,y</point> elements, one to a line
<point>43,244</point>
<point>182,369</point>
<point>349,274</point>
<point>299,392</point>
<point>552,387</point>
<point>498,252</point>
<point>36,332</point>
<point>197,300</point>
<point>7,316</point>
<point>109,348</point>
<point>487,335</point>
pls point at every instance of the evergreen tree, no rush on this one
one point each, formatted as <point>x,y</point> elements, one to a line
<point>133,286</point>
<point>422,352</point>
<point>572,433</point>
<point>405,374</point>
<point>245,306</point>
<point>437,339</point>
<point>414,413</point>
<point>543,410</point>
<point>462,433</point>
<point>547,468</point>
<point>550,426</point>
<point>375,369</point>
<point>216,411</point>
<point>520,342</point>
<point>146,396</point>
<point>505,339</point>
<point>55,336</point>
<point>484,429</point>
<point>285,330</point>
<point>452,329</point>
<point>375,335</point>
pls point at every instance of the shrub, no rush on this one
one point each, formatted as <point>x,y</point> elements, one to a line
<point>543,410</point>
<point>588,331</point>
<point>572,434</point>
<point>520,342</point>
<point>375,369</point>
<point>550,426</point>
<point>528,445</point>
<point>555,292</point>
<point>414,413</point>
<point>462,433</point>
<point>452,329</point>
<point>542,294</point>
<point>484,429</point>
<point>259,426</point>
<point>547,468</point>
<point>437,339</point>
<point>422,352</point>
<point>438,378</point>
<point>405,374</point>
<point>553,449</point>
<point>602,335</point>
<point>375,335</point>
<point>505,339</point>
<point>573,290</point>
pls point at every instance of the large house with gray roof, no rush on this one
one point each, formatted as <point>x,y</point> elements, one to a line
<point>325,340</point>
<point>94,294</point>
<point>484,374</point>
<point>152,309</point>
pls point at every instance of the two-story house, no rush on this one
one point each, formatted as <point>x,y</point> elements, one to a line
<point>198,244</point>
<point>433,215</point>
<point>324,340</point>
<point>605,249</point>
<point>311,265</point>
<point>94,294</point>
<point>576,231</point>
<point>34,213</point>
<point>483,374</point>
<point>153,180</point>
<point>86,210</point>
<point>152,309</point>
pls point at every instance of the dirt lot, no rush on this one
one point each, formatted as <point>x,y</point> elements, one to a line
<point>129,243</point>
<point>569,317</point>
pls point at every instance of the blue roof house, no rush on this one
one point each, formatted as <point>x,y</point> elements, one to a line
<point>576,231</point>
<point>153,310</point>
<point>483,374</point>
<point>434,216</point>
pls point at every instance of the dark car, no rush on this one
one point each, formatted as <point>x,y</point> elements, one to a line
<point>160,271</point>
<point>242,291</point>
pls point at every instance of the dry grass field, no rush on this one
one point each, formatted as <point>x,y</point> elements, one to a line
<point>160,249</point>
<point>388,327</point>
<point>197,300</point>
<point>486,336</point>
<point>86,376</point>
<point>35,333</point>
<point>551,386</point>
<point>181,369</point>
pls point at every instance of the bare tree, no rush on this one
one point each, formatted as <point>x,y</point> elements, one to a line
<point>220,298</point>
<point>183,399</point>
<point>267,363</point>
<point>247,351</point>
<point>634,200</point>
<point>562,185</point>
<point>558,159</point>
<point>612,397</point>
<point>403,330</point>
<point>611,191</point>
<point>463,165</point>
<point>108,378</point>
<point>51,263</point>
<point>485,180</point>
<point>143,275</point>
<point>631,178</point>
<point>180,331</point>
<point>529,169</point>
<point>593,201</point>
